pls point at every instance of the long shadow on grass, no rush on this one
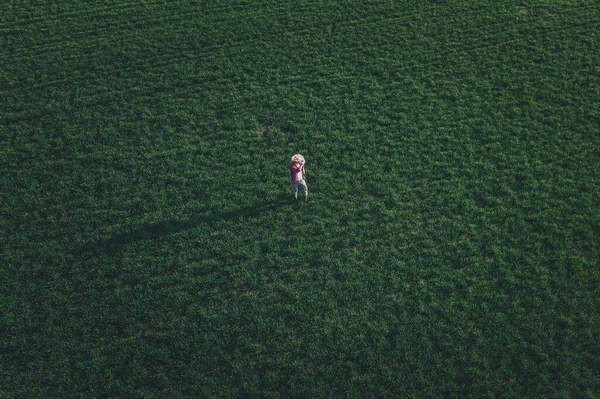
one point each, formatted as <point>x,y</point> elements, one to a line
<point>155,230</point>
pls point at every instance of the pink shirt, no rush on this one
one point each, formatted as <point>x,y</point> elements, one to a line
<point>296,172</point>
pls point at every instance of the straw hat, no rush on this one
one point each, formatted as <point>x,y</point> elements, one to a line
<point>298,158</point>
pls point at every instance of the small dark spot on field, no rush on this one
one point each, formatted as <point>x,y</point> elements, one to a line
<point>266,130</point>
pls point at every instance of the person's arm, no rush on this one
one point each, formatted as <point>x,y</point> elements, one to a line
<point>303,172</point>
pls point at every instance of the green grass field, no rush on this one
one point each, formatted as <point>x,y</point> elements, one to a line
<point>150,247</point>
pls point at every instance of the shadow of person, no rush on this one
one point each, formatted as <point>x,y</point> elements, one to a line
<point>154,230</point>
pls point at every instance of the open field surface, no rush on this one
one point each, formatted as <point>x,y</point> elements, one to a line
<point>149,246</point>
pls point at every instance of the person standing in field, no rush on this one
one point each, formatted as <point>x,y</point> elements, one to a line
<point>298,176</point>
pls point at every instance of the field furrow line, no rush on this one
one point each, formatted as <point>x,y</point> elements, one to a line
<point>587,27</point>
<point>516,37</point>
<point>57,45</point>
<point>54,45</point>
<point>160,19</point>
<point>331,74</point>
<point>121,9</point>
<point>332,71</point>
<point>491,30</point>
<point>136,22</point>
<point>139,20</point>
<point>177,57</point>
<point>45,48</point>
<point>97,12</point>
<point>76,15</point>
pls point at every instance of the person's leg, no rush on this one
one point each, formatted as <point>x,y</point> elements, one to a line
<point>304,188</point>
<point>295,190</point>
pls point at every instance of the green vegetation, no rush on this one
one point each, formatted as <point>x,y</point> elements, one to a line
<point>149,246</point>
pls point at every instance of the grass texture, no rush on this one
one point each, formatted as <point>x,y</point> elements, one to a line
<point>150,248</point>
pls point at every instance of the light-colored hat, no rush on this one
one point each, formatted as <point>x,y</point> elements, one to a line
<point>298,158</point>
